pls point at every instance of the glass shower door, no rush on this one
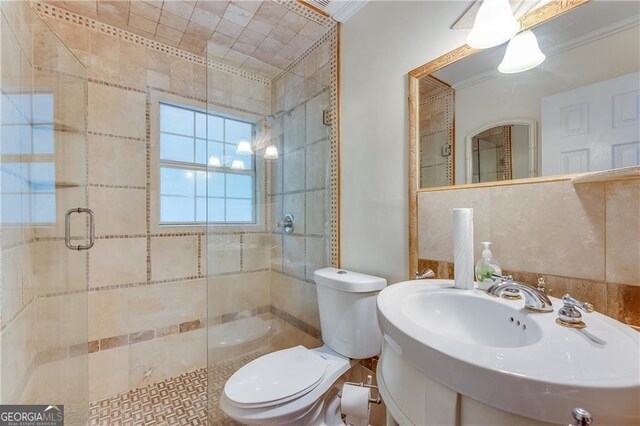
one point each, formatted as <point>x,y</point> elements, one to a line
<point>43,158</point>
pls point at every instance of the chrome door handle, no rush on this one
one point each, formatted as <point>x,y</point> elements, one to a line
<point>67,229</point>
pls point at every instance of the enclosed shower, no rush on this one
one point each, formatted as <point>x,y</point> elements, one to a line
<point>161,212</point>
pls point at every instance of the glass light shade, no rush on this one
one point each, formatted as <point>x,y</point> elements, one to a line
<point>214,162</point>
<point>244,148</point>
<point>494,25</point>
<point>237,165</point>
<point>523,53</point>
<point>271,153</point>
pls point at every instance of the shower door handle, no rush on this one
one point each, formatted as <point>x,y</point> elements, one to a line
<point>67,229</point>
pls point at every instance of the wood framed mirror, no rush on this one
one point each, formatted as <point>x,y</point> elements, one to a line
<point>579,107</point>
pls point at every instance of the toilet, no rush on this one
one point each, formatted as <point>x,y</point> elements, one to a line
<point>299,386</point>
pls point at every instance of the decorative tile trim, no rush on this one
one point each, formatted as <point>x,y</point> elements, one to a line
<point>48,10</point>
<point>329,35</point>
<point>109,135</point>
<point>306,11</point>
<point>102,185</point>
<point>147,283</point>
<point>17,244</point>
<point>334,151</point>
<point>113,342</point>
<point>209,103</point>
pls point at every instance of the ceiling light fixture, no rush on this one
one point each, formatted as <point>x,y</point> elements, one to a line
<point>494,25</point>
<point>214,162</point>
<point>271,153</point>
<point>523,53</point>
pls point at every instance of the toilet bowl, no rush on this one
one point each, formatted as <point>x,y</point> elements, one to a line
<point>299,386</point>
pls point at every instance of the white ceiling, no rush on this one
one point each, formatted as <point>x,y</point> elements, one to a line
<point>586,22</point>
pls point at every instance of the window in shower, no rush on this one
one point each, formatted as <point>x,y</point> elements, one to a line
<point>27,172</point>
<point>202,177</point>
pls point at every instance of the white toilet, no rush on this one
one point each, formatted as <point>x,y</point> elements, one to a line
<point>299,386</point>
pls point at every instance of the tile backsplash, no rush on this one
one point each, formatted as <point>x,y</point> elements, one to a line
<point>583,238</point>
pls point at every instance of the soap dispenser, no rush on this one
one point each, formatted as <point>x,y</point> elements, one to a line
<point>486,267</point>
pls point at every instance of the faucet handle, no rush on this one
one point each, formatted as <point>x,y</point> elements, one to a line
<point>569,315</point>
<point>570,301</point>
<point>542,285</point>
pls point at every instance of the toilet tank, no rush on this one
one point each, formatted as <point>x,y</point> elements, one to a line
<point>347,306</point>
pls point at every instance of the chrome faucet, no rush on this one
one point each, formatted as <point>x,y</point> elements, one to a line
<point>534,299</point>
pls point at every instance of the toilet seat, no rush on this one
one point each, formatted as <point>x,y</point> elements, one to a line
<point>276,378</point>
<point>297,410</point>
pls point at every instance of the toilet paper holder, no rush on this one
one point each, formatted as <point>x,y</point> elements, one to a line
<point>376,400</point>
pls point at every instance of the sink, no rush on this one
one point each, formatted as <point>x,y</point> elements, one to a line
<point>494,351</point>
<point>470,319</point>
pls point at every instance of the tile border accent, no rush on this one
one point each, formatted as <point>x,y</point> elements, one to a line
<point>48,10</point>
<point>334,153</point>
<point>325,37</point>
<point>111,342</point>
<point>306,11</point>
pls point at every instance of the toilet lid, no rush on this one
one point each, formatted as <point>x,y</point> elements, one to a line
<point>276,377</point>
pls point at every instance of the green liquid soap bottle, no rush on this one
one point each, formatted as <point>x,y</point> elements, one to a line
<point>486,267</point>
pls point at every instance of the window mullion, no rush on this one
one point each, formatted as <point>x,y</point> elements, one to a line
<point>224,172</point>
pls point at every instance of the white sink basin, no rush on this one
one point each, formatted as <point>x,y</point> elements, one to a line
<point>492,350</point>
<point>470,319</point>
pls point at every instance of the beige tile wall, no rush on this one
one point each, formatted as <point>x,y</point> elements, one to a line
<point>300,185</point>
<point>148,286</point>
<point>585,238</point>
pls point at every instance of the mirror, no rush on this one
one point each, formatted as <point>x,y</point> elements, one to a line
<point>578,111</point>
<point>501,151</point>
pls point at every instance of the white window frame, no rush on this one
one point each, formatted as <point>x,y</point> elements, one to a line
<point>160,163</point>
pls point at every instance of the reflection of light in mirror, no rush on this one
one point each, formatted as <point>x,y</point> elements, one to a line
<point>494,25</point>
<point>189,175</point>
<point>237,165</point>
<point>523,53</point>
<point>214,161</point>
<point>244,148</point>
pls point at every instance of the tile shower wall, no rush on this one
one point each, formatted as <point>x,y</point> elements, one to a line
<point>147,284</point>
<point>299,185</point>
<point>17,320</point>
<point>583,238</point>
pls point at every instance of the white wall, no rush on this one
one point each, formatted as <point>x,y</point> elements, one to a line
<point>379,45</point>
